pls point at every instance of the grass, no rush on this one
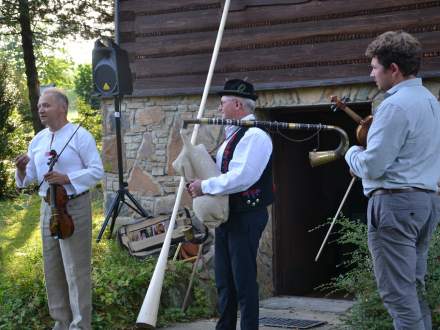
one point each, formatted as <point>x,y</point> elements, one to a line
<point>119,281</point>
<point>21,285</point>
<point>19,231</point>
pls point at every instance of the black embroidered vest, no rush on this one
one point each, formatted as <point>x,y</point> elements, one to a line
<point>260,194</point>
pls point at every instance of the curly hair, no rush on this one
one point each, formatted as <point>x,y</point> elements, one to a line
<point>397,47</point>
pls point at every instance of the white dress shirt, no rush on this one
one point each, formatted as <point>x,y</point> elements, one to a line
<point>248,162</point>
<point>80,160</point>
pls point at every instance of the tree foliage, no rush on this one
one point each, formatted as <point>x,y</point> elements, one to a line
<point>84,85</point>
<point>53,20</point>
<point>55,70</point>
<point>12,132</point>
<point>90,119</point>
<point>6,108</point>
<point>52,69</point>
<point>88,105</point>
<point>43,23</point>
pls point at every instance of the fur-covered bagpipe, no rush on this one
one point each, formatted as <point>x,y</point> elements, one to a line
<point>194,162</point>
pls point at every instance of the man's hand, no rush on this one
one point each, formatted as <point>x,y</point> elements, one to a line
<point>20,163</point>
<point>56,178</point>
<point>195,188</point>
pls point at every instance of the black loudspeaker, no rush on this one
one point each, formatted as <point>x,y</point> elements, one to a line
<point>111,69</point>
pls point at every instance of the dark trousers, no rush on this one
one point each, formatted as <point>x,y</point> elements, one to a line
<point>236,246</point>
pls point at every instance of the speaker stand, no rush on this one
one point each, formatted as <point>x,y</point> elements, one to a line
<point>123,192</point>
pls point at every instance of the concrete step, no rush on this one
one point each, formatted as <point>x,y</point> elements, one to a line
<point>304,308</point>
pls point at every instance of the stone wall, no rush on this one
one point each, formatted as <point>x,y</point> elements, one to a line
<point>151,142</point>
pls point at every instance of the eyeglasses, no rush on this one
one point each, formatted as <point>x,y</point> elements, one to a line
<point>229,100</point>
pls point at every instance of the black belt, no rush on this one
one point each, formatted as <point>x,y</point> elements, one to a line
<point>77,195</point>
<point>383,191</point>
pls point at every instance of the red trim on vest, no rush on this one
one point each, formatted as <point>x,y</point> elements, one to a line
<point>229,149</point>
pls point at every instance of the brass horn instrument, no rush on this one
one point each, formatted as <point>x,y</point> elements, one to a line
<point>316,157</point>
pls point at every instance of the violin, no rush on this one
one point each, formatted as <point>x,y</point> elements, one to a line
<point>363,123</point>
<point>61,223</point>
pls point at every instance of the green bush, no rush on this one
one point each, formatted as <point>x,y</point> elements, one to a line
<point>90,119</point>
<point>23,302</point>
<point>87,105</point>
<point>358,280</point>
<point>433,280</point>
<point>7,106</point>
<point>14,132</point>
<point>119,281</point>
<point>84,85</point>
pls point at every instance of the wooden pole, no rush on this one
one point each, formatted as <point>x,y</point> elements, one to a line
<point>191,279</point>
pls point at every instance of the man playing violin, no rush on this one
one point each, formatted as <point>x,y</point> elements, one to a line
<point>400,168</point>
<point>67,262</point>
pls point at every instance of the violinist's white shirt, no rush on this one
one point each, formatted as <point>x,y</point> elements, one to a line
<point>80,160</point>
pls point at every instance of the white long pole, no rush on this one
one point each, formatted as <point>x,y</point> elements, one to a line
<point>148,313</point>
<point>335,217</point>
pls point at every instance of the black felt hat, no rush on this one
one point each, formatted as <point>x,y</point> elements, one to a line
<point>238,87</point>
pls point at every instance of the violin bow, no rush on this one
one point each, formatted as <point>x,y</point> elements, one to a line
<point>335,217</point>
<point>55,157</point>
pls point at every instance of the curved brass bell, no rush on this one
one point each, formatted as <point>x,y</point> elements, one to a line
<point>322,157</point>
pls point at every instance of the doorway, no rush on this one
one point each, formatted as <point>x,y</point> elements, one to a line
<point>306,197</point>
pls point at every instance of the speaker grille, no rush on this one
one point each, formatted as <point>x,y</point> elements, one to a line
<point>105,79</point>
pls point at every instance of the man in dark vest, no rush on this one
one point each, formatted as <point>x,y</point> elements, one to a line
<point>244,159</point>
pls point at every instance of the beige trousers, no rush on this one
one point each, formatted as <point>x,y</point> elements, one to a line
<point>67,267</point>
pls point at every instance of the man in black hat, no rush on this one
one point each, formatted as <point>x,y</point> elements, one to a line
<point>244,159</point>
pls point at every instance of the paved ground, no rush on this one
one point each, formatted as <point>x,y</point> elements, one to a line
<point>328,310</point>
